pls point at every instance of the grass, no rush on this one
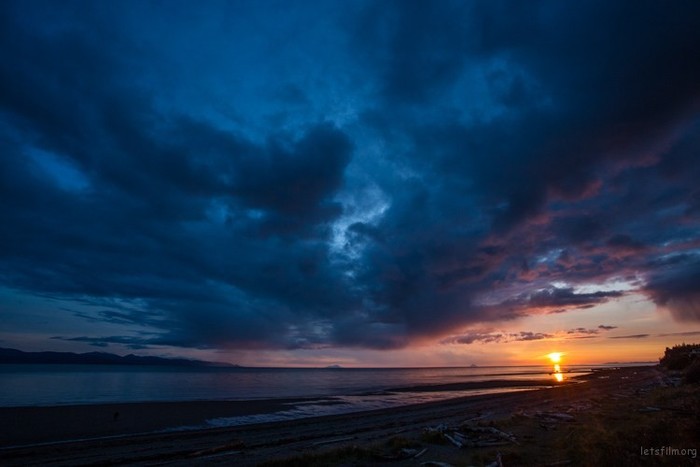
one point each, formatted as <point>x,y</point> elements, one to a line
<point>616,434</point>
<point>349,455</point>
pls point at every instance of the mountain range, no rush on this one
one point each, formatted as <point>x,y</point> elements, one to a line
<point>97,358</point>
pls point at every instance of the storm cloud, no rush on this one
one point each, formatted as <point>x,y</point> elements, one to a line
<point>232,176</point>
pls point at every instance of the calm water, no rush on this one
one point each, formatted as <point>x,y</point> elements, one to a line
<point>32,385</point>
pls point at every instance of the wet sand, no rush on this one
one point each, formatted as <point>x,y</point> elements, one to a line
<point>34,425</point>
<point>254,444</point>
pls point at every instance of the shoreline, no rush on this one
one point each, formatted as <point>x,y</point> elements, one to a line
<point>26,426</point>
<point>257,443</point>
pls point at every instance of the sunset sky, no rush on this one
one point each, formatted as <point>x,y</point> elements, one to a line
<point>387,183</point>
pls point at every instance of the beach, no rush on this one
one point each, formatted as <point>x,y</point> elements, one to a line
<point>536,420</point>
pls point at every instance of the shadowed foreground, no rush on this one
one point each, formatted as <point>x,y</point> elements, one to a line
<point>611,416</point>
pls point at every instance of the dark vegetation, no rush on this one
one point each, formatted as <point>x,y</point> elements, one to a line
<point>684,358</point>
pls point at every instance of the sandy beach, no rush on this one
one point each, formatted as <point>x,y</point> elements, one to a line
<point>542,427</point>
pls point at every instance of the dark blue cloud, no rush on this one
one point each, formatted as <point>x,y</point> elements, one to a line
<point>229,177</point>
<point>678,289</point>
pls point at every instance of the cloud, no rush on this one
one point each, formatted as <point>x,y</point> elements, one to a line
<point>625,242</point>
<point>583,331</point>
<point>678,290</point>
<point>631,336</point>
<point>588,333</point>
<point>470,338</point>
<point>392,175</point>
<point>136,343</point>
<point>557,297</point>
<point>532,336</point>
<point>498,337</point>
<point>295,184</point>
<point>559,300</point>
<point>688,333</point>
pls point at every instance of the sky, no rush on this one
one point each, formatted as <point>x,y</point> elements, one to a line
<point>387,183</point>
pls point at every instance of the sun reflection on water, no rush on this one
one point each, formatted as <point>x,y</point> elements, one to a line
<point>555,357</point>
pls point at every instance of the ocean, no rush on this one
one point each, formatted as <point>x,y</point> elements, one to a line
<point>42,385</point>
<point>314,391</point>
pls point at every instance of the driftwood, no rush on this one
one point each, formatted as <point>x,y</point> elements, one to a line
<point>420,453</point>
<point>472,436</point>
<point>330,441</point>
<point>409,453</point>
<point>557,416</point>
<point>436,429</point>
<point>649,409</point>
<point>494,431</point>
<point>453,440</point>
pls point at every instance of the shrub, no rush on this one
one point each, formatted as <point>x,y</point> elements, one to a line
<point>692,374</point>
<point>680,356</point>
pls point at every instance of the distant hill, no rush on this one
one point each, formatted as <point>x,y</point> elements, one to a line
<point>96,358</point>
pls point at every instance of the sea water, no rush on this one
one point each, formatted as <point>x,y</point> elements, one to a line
<point>44,385</point>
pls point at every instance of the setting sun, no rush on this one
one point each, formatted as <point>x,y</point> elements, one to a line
<point>555,357</point>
